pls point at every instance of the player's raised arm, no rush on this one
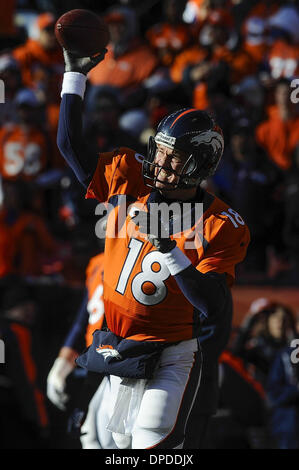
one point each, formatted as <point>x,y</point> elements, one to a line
<point>69,136</point>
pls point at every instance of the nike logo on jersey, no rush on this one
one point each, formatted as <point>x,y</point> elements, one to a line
<point>107,350</point>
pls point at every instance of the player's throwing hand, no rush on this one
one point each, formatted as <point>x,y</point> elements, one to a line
<point>83,65</point>
<point>156,230</point>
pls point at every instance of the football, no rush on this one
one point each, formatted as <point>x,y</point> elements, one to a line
<point>82,32</point>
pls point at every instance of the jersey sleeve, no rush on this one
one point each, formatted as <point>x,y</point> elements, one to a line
<point>227,245</point>
<point>117,172</point>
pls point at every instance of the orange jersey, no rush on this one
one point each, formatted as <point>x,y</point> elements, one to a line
<point>95,306</point>
<point>240,62</point>
<point>142,301</point>
<point>128,70</point>
<point>191,56</point>
<point>24,245</point>
<point>284,60</point>
<point>279,138</point>
<point>22,153</point>
<point>256,51</point>
<point>169,40</point>
<point>32,243</point>
<point>41,66</point>
<point>200,96</point>
<point>138,289</point>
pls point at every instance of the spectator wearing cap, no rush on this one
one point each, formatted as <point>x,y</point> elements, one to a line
<point>250,96</point>
<point>252,325</point>
<point>23,146</point>
<point>279,134</point>
<point>40,56</point>
<point>210,65</point>
<point>41,63</point>
<point>129,61</point>
<point>172,35</point>
<point>283,57</point>
<point>263,334</point>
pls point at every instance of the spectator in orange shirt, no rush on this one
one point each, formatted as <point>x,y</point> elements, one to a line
<point>284,53</point>
<point>28,240</point>
<point>41,59</point>
<point>128,61</point>
<point>279,134</point>
<point>23,146</point>
<point>283,59</point>
<point>171,36</point>
<point>211,64</point>
<point>41,62</point>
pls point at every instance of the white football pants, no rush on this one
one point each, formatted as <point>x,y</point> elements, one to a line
<point>146,414</point>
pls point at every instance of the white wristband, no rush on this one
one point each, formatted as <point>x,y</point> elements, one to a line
<point>176,261</point>
<point>74,83</point>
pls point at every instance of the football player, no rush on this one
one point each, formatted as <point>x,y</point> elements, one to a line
<point>90,317</point>
<point>157,289</point>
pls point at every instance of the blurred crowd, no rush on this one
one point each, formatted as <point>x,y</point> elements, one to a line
<point>259,382</point>
<point>239,60</point>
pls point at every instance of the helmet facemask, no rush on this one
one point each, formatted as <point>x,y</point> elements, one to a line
<point>193,133</point>
<point>195,169</point>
